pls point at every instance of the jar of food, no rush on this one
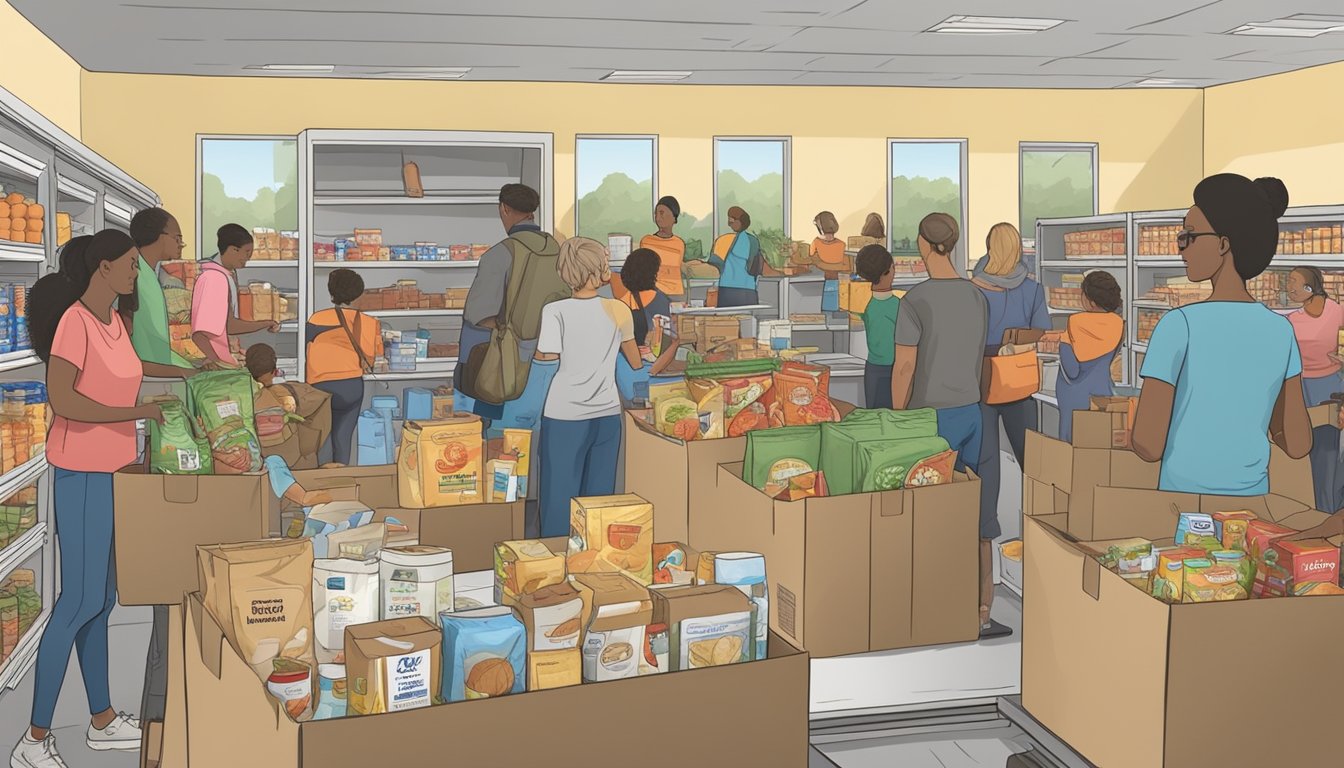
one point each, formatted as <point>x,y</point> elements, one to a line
<point>416,581</point>
<point>292,684</point>
<point>330,692</point>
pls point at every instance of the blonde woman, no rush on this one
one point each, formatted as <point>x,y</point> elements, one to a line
<point>581,421</point>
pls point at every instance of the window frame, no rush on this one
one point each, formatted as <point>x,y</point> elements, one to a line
<point>787,141</point>
<point>617,137</point>
<point>201,138</point>
<point>959,252</point>
<point>1023,147</point>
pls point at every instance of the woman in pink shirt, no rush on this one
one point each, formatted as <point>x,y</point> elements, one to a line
<point>93,381</point>
<point>1317,326</point>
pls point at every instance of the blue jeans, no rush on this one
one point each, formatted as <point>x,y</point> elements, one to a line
<point>962,429</point>
<point>83,504</point>
<point>347,398</point>
<point>876,386</point>
<point>1326,472</point>
<point>577,458</point>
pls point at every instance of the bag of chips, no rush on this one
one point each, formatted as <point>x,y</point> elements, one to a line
<point>223,406</point>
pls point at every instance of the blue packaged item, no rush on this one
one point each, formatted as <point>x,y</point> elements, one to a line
<point>401,358</point>
<point>1195,524</point>
<point>746,571</point>
<point>485,648</point>
<point>427,251</point>
<point>344,247</point>
<point>422,337</point>
<point>403,253</point>
<point>375,445</point>
<point>387,404</point>
<point>331,701</point>
<point>419,404</point>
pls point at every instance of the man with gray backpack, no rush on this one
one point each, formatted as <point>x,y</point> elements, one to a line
<point>502,318</point>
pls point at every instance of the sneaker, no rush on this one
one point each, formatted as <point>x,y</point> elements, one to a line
<point>36,754</point>
<point>122,733</point>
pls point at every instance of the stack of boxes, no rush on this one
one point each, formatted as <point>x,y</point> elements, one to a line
<point>1312,241</point>
<point>368,245</point>
<point>1178,291</point>
<point>23,423</point>
<point>1096,243</point>
<point>1069,295</point>
<point>1159,240</point>
<point>1148,319</point>
<point>263,301</point>
<point>14,318</point>
<point>270,245</point>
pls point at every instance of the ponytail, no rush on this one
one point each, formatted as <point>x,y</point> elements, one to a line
<point>641,320</point>
<point>55,293</point>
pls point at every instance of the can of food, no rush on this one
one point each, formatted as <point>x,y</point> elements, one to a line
<point>292,684</point>
<point>331,692</point>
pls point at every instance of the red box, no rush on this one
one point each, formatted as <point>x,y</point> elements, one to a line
<point>1260,535</point>
<point>1309,561</point>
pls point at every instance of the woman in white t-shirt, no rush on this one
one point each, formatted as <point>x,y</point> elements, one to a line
<point>581,421</point>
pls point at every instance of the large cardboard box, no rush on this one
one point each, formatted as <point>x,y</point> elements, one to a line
<point>857,573</point>
<point>471,531</point>
<point>164,744</point>
<point>1088,634</point>
<point>715,716</point>
<point>676,476</point>
<point>161,519</point>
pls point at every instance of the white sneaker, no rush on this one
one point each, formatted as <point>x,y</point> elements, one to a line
<point>36,754</point>
<point>122,733</point>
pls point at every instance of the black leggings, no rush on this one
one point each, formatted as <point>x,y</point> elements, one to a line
<point>347,397</point>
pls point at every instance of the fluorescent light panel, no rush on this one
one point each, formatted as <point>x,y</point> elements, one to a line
<point>1300,25</point>
<point>308,68</point>
<point>992,25</point>
<point>658,76</point>
<point>1162,82</point>
<point>431,73</point>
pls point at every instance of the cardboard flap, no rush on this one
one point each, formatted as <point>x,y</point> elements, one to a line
<point>208,632</point>
<point>1092,577</point>
<point>181,489</point>
<point>889,503</point>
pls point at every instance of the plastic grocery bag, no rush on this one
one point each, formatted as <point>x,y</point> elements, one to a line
<point>222,403</point>
<point>174,447</point>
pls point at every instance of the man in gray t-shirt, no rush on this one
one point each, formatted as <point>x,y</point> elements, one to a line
<point>946,322</point>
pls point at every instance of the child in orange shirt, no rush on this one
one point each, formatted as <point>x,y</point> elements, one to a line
<point>829,253</point>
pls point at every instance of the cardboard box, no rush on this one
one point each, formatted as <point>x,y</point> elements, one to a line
<point>471,531</point>
<point>773,693</point>
<point>1106,425</point>
<point>1085,628</point>
<point>161,519</point>
<point>857,573</point>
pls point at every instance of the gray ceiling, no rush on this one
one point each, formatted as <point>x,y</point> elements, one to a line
<point>1104,44</point>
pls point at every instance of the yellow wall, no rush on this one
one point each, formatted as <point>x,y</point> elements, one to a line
<point>1290,126</point>
<point>1150,141</point>
<point>39,72</point>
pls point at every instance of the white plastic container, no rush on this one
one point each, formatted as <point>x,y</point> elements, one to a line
<point>416,581</point>
<point>345,592</point>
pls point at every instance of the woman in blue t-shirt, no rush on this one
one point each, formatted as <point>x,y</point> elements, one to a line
<point>1222,374</point>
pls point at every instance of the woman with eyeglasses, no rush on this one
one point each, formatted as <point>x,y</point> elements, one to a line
<point>1222,374</point>
<point>1317,326</point>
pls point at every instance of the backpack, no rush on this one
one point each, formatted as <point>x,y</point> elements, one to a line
<point>496,370</point>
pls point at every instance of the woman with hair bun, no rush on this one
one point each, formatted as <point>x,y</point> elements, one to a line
<point>1221,374</point>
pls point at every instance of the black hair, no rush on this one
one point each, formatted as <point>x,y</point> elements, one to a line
<point>1313,278</point>
<point>670,203</point>
<point>260,360</point>
<point>52,295</point>
<point>232,236</point>
<point>520,198</point>
<point>873,262</point>
<point>640,273</point>
<point>1102,289</point>
<point>148,225</point>
<point>1247,214</point>
<point>345,286</point>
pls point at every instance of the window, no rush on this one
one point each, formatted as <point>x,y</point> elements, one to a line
<point>927,176</point>
<point>616,185</point>
<point>753,174</point>
<point>252,181</point>
<point>1056,181</point>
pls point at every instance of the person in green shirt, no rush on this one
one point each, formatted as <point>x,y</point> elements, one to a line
<point>159,238</point>
<point>875,265</point>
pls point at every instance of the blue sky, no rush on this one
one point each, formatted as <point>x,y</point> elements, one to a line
<point>599,158</point>
<point>243,166</point>
<point>931,161</point>
<point>751,159</point>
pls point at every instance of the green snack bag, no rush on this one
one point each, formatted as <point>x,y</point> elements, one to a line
<point>778,454</point>
<point>839,451</point>
<point>902,425</point>
<point>174,448</point>
<point>886,464</point>
<point>222,403</point>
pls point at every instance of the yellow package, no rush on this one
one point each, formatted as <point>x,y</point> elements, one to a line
<point>440,463</point>
<point>523,567</point>
<point>612,534</point>
<point>1209,582</point>
<point>518,448</point>
<point>709,406</point>
<point>677,416</point>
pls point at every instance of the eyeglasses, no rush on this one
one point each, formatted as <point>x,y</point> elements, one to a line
<point>1186,237</point>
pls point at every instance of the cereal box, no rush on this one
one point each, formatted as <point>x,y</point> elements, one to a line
<point>1194,524</point>
<point>393,665</point>
<point>1230,528</point>
<point>616,613</point>
<point>1289,564</point>
<point>1260,534</point>
<point>440,463</point>
<point>1169,578</point>
<point>524,567</point>
<point>708,626</point>
<point>1206,581</point>
<point>612,534</point>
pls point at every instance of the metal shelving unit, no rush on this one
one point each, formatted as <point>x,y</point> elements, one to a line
<point>43,162</point>
<point>353,179</point>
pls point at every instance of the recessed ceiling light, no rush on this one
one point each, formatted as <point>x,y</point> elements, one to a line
<point>429,73</point>
<point>1299,25</point>
<point>648,76</point>
<point>308,68</point>
<point>992,25</point>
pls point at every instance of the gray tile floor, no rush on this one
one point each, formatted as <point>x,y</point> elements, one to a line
<point>128,639</point>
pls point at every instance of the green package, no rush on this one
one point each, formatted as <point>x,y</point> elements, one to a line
<point>174,448</point>
<point>776,454</point>
<point>884,464</point>
<point>839,452</point>
<point>222,403</point>
<point>732,369</point>
<point>901,425</point>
